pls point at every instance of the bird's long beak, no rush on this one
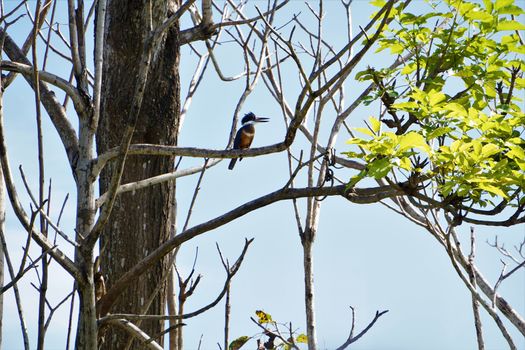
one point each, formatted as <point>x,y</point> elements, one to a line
<point>261,119</point>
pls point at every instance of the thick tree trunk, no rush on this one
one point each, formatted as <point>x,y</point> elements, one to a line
<point>140,220</point>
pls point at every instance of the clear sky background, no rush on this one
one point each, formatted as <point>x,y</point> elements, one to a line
<point>365,255</point>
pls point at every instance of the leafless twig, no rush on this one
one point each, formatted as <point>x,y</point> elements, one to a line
<point>41,211</point>
<point>233,270</point>
<point>351,338</point>
<point>16,291</point>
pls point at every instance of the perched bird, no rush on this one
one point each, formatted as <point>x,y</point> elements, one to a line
<point>244,137</point>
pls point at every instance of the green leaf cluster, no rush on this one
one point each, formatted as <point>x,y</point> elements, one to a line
<point>455,115</point>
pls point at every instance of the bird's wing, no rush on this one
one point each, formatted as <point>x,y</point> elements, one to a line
<point>237,141</point>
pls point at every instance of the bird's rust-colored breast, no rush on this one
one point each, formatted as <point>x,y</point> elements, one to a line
<point>247,134</point>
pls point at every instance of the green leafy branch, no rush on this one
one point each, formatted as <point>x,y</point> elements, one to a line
<point>452,120</point>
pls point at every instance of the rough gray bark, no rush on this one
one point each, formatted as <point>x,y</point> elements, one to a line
<point>140,220</point>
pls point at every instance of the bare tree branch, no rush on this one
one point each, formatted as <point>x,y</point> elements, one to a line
<point>205,32</point>
<point>230,274</point>
<point>133,186</point>
<point>351,339</point>
<point>475,304</point>
<point>41,211</point>
<point>52,105</point>
<point>99,60</point>
<point>476,295</point>
<point>18,300</point>
<point>166,150</point>
<point>41,240</point>
<point>78,65</point>
<point>136,332</point>
<point>367,195</point>
<point>50,78</point>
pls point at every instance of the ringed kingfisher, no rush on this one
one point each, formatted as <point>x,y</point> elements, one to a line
<point>244,136</point>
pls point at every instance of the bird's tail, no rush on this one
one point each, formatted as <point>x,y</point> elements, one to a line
<point>232,163</point>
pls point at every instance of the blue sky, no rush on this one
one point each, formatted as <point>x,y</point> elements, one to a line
<point>365,255</point>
